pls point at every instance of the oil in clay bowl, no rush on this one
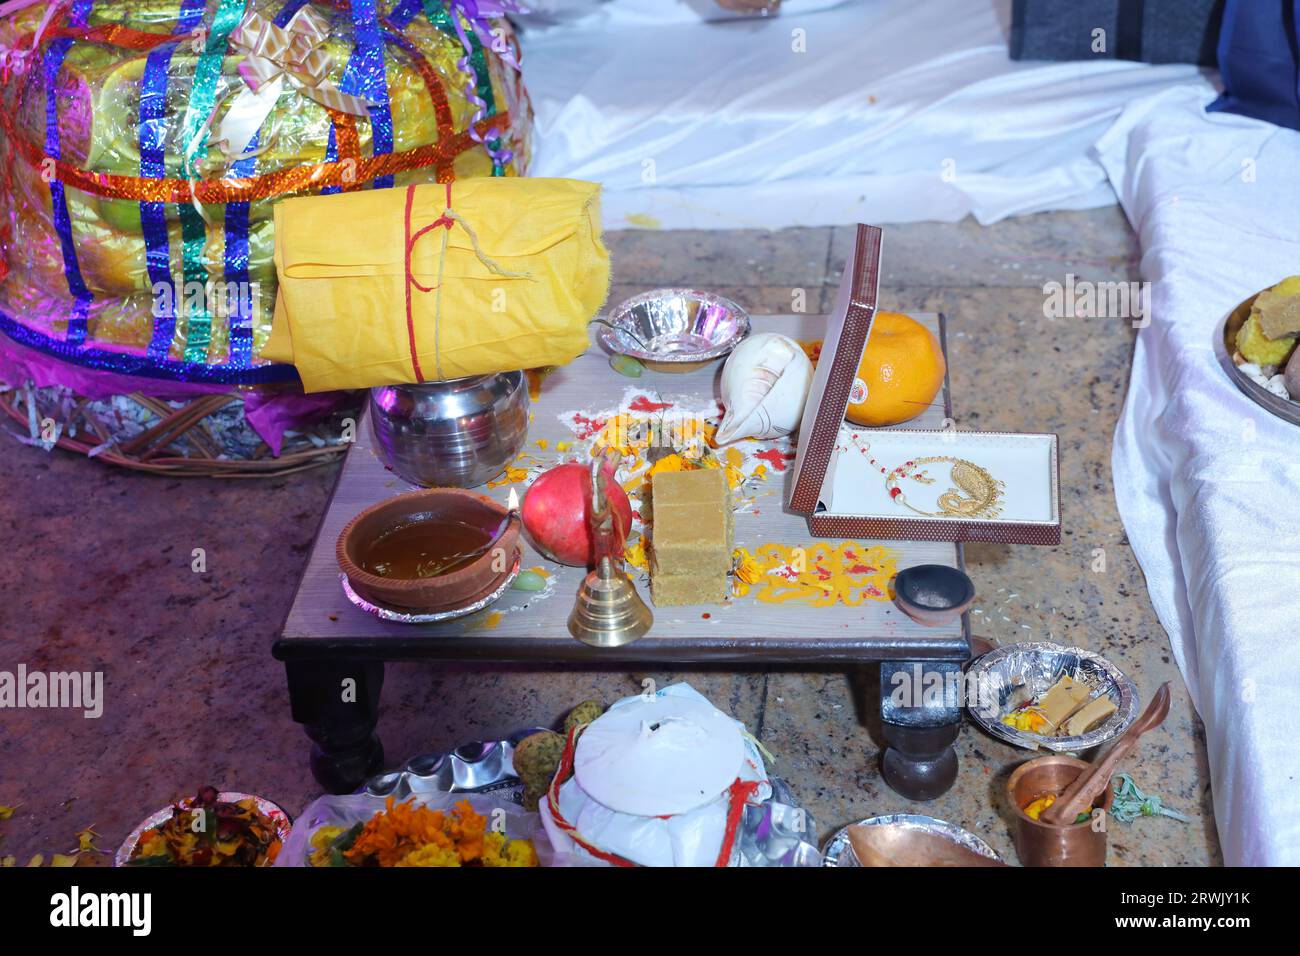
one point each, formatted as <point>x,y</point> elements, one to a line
<point>428,550</point>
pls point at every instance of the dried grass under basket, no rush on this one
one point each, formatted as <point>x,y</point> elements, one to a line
<point>148,451</point>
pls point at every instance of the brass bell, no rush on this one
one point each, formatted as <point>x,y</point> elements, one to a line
<point>608,612</point>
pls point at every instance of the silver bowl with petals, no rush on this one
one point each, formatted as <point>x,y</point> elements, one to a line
<point>674,330</point>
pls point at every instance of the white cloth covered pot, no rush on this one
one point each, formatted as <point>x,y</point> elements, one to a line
<point>653,781</point>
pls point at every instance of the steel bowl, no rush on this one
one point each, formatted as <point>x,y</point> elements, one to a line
<point>456,434</point>
<point>1016,672</point>
<point>674,329</point>
<point>471,768</point>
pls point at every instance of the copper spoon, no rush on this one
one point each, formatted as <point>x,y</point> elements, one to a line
<point>1088,785</point>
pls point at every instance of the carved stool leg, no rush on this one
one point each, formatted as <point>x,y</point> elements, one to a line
<point>337,702</point>
<point>920,718</point>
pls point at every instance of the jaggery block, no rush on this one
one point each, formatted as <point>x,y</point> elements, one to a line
<point>1063,697</point>
<point>1089,716</point>
<point>675,590</point>
<point>691,531</point>
<point>698,486</point>
<point>684,542</point>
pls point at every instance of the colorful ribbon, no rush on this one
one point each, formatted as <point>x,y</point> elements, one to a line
<point>293,50</point>
<point>153,215</point>
<point>237,252</point>
<point>191,15</point>
<point>267,185</point>
<point>128,363</point>
<point>15,60</point>
<point>54,56</point>
<point>365,73</point>
<point>450,17</point>
<point>203,92</point>
<point>194,139</point>
<point>274,57</point>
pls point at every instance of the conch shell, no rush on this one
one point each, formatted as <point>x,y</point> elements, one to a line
<point>764,388</point>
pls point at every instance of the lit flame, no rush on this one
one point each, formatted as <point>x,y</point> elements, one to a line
<point>512,502</point>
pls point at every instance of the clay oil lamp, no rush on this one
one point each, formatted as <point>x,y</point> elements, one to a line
<point>933,594</point>
<point>431,550</point>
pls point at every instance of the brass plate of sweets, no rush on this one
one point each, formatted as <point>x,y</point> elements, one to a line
<point>1225,348</point>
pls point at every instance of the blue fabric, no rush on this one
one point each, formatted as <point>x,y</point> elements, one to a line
<point>1259,60</point>
<point>153,215</point>
<point>236,262</point>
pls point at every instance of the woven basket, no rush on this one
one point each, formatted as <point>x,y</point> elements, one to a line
<point>178,440</point>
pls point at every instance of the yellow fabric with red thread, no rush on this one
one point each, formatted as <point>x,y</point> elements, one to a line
<point>517,272</point>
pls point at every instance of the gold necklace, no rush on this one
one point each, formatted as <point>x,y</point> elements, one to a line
<point>983,498</point>
<point>983,492</point>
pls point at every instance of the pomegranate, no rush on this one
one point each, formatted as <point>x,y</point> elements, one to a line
<point>557,508</point>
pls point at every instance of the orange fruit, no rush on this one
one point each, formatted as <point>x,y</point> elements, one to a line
<point>900,374</point>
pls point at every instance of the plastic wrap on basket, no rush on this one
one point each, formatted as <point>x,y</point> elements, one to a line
<point>146,141</point>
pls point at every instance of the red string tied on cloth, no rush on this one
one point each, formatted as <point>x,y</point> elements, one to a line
<point>738,795</point>
<point>448,219</point>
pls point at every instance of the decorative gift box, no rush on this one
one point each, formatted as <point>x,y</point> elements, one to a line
<point>145,143</point>
<point>908,483</point>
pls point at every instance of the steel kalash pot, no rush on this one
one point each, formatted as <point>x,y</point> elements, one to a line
<point>460,433</point>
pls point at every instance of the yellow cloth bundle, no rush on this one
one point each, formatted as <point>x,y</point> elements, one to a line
<point>434,282</point>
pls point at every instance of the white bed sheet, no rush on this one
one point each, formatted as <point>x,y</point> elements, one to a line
<point>1207,482</point>
<point>899,110</point>
<point>744,133</point>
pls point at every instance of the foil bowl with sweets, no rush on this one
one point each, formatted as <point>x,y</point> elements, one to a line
<point>1040,695</point>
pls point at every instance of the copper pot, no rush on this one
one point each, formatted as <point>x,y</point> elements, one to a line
<point>1042,844</point>
<point>442,591</point>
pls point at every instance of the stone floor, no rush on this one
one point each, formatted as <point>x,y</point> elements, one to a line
<point>96,575</point>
